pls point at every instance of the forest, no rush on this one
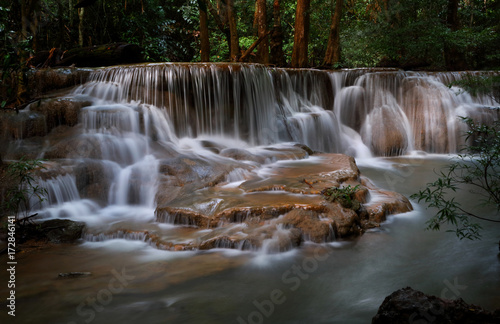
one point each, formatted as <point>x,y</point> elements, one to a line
<point>413,35</point>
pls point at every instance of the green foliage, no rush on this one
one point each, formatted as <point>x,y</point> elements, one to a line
<point>13,55</point>
<point>344,196</point>
<point>26,194</point>
<point>478,168</point>
<point>408,34</point>
<point>480,85</point>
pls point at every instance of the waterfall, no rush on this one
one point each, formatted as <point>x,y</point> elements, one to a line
<point>384,112</point>
<point>143,120</point>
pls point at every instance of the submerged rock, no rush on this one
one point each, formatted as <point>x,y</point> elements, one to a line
<point>411,306</point>
<point>74,274</point>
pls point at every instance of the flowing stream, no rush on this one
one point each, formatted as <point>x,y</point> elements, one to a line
<point>191,136</point>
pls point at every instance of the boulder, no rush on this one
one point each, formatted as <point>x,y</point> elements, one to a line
<point>411,306</point>
<point>54,230</point>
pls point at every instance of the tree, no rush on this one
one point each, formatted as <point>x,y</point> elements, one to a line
<point>332,55</point>
<point>277,56</point>
<point>455,60</point>
<point>234,48</point>
<point>204,36</point>
<point>301,36</point>
<point>477,167</point>
<point>260,22</point>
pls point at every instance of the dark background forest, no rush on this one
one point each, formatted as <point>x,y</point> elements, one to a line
<point>416,34</point>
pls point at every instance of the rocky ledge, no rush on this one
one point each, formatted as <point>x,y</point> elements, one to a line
<point>411,306</point>
<point>278,208</point>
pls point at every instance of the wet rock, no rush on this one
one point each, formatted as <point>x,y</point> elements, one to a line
<point>388,203</point>
<point>305,148</point>
<point>242,155</point>
<point>280,211</point>
<point>23,125</point>
<point>42,81</point>
<point>389,140</point>
<point>217,242</point>
<point>183,216</point>
<point>180,176</point>
<point>411,306</point>
<point>62,230</point>
<point>93,180</point>
<point>54,230</point>
<point>346,221</point>
<point>310,226</point>
<point>59,112</point>
<point>212,146</point>
<point>242,214</point>
<point>85,147</point>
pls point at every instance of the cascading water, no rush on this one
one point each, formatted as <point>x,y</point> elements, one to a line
<point>143,118</point>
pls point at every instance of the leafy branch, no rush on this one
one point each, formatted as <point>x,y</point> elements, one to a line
<point>22,198</point>
<point>479,168</point>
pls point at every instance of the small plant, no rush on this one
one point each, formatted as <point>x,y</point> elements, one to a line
<point>344,196</point>
<point>26,194</point>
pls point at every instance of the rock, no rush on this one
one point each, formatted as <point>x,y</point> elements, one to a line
<point>54,230</point>
<point>305,148</point>
<point>411,306</point>
<point>93,180</point>
<point>277,212</point>
<point>388,203</point>
<point>242,155</point>
<point>310,226</point>
<point>59,112</point>
<point>85,147</point>
<point>26,124</point>
<point>391,139</point>
<point>74,274</point>
<point>347,222</point>
<point>41,81</point>
<point>62,230</point>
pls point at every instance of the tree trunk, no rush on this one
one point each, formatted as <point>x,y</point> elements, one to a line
<point>452,15</point>
<point>253,46</point>
<point>454,58</point>
<point>102,55</point>
<point>220,17</point>
<point>332,54</point>
<point>301,37</point>
<point>233,32</point>
<point>277,55</point>
<point>60,17</point>
<point>260,20</point>
<point>29,21</point>
<point>204,37</point>
<point>81,11</point>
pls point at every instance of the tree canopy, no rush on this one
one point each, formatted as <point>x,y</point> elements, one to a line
<point>410,34</point>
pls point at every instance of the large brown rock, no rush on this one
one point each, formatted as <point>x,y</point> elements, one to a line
<point>275,212</point>
<point>311,227</point>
